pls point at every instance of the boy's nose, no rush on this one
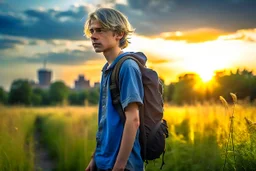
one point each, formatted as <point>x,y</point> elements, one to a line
<point>93,35</point>
<point>93,38</point>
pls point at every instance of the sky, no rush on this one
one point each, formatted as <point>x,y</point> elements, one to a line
<point>177,36</point>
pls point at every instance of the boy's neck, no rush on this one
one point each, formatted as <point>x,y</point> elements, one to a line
<point>112,55</point>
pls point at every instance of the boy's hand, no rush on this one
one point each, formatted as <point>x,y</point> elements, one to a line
<point>91,166</point>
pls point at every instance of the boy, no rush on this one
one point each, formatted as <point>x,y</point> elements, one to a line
<point>118,145</point>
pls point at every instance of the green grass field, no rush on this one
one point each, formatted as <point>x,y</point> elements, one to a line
<point>198,137</point>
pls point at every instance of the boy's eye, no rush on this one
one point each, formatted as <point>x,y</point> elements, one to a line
<point>97,30</point>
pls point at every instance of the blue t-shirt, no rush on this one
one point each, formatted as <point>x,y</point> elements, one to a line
<point>110,126</point>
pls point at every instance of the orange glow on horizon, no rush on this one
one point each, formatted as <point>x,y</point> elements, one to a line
<point>193,36</point>
<point>203,52</point>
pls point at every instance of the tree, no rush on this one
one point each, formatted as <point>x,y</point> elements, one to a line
<point>242,83</point>
<point>37,97</point>
<point>58,92</point>
<point>93,96</point>
<point>73,98</point>
<point>78,98</point>
<point>21,92</point>
<point>168,92</point>
<point>3,96</point>
<point>183,91</point>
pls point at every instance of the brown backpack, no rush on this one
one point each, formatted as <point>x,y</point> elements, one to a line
<point>153,128</point>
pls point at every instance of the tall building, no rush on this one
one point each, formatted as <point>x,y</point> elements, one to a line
<point>44,76</point>
<point>81,83</point>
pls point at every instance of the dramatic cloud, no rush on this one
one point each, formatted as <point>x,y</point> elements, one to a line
<point>9,43</point>
<point>45,25</point>
<point>248,35</point>
<point>149,17</point>
<point>34,42</point>
<point>78,13</point>
<point>154,17</point>
<point>193,36</point>
<point>74,57</point>
<point>156,61</point>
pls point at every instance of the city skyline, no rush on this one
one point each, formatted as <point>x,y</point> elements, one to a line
<point>44,80</point>
<point>178,37</point>
<point>44,76</point>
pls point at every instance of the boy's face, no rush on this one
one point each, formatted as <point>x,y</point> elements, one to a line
<point>102,40</point>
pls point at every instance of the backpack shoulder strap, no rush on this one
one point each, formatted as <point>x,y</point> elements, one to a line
<point>115,95</point>
<point>114,85</point>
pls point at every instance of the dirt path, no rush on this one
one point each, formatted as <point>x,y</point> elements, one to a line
<point>43,162</point>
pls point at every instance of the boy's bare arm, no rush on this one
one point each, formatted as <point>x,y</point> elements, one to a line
<point>130,129</point>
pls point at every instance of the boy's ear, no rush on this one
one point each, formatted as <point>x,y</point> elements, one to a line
<point>119,35</point>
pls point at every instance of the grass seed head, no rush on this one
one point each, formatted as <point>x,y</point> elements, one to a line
<point>224,102</point>
<point>234,97</point>
<point>250,125</point>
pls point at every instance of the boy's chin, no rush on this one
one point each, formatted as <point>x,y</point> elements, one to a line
<point>98,50</point>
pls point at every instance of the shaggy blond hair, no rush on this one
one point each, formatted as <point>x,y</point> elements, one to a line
<point>111,19</point>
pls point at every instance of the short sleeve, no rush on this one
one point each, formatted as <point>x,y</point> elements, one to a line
<point>130,83</point>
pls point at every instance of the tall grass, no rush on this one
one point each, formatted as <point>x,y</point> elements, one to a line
<point>16,139</point>
<point>197,142</point>
<point>243,155</point>
<point>199,135</point>
<point>70,137</point>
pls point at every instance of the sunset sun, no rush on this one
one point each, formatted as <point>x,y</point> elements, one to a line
<point>206,75</point>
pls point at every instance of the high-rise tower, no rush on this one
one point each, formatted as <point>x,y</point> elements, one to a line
<point>44,76</point>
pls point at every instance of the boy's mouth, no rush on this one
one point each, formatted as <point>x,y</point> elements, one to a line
<point>96,44</point>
